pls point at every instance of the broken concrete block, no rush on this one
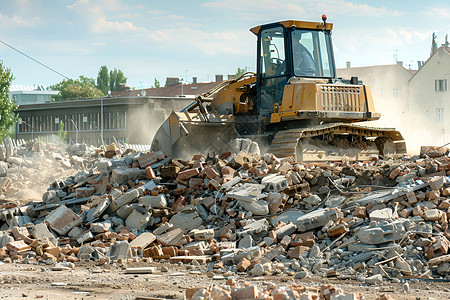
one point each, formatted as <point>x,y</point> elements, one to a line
<point>122,175</point>
<point>62,220</point>
<point>274,183</point>
<point>317,218</point>
<point>100,227</point>
<point>257,229</point>
<point>287,229</point>
<point>249,253</point>
<point>104,165</point>
<point>381,214</point>
<point>119,250</point>
<point>186,219</point>
<point>246,242</point>
<point>381,233</point>
<point>137,220</point>
<point>98,210</point>
<point>84,236</point>
<point>256,207</point>
<point>436,182</point>
<point>40,231</point>
<point>126,198</point>
<point>124,211</point>
<point>19,233</point>
<point>143,240</point>
<point>5,239</point>
<point>163,228</point>
<point>159,201</point>
<point>246,192</point>
<point>171,238</point>
<point>204,235</point>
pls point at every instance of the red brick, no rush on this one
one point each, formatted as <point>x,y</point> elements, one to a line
<point>187,174</point>
<point>243,265</point>
<point>149,173</point>
<point>250,292</point>
<point>337,230</point>
<point>210,173</point>
<point>147,160</point>
<point>296,252</point>
<point>360,212</point>
<point>394,173</point>
<point>303,239</point>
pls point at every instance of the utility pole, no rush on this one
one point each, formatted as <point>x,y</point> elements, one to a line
<point>445,103</point>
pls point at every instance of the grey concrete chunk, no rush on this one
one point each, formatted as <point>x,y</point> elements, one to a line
<point>317,218</point>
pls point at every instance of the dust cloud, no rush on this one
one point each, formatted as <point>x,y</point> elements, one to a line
<point>144,122</point>
<point>417,128</point>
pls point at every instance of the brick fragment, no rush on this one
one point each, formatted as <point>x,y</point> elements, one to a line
<point>187,174</point>
<point>360,212</point>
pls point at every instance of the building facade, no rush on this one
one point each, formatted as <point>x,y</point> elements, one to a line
<point>131,120</point>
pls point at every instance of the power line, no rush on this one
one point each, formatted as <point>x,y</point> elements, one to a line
<point>34,59</point>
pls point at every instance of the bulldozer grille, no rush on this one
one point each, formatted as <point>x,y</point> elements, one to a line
<point>340,98</point>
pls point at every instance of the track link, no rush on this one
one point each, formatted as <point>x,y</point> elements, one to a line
<point>294,142</point>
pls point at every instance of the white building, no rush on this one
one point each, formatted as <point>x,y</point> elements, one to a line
<point>415,102</point>
<point>30,94</point>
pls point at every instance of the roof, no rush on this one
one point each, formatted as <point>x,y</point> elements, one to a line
<point>443,49</point>
<point>170,91</point>
<point>29,88</point>
<point>298,24</point>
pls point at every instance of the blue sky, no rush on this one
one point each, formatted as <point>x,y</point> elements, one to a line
<point>159,39</point>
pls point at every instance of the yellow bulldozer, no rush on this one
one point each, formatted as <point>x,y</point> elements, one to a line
<point>294,105</point>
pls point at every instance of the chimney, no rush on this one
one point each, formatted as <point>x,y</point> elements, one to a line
<point>171,81</point>
<point>194,80</point>
<point>219,78</point>
<point>348,64</point>
<point>230,77</point>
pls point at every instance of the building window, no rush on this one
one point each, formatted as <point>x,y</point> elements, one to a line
<point>439,115</point>
<point>395,93</point>
<point>440,85</point>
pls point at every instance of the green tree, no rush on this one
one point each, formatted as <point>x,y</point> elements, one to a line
<point>61,132</point>
<point>103,80</point>
<point>240,72</point>
<point>73,89</point>
<point>156,84</point>
<point>116,77</point>
<point>8,117</point>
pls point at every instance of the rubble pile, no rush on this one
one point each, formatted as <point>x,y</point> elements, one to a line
<point>245,213</point>
<point>295,291</point>
<point>26,169</point>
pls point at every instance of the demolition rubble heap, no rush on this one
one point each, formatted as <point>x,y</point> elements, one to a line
<point>245,213</point>
<point>26,169</point>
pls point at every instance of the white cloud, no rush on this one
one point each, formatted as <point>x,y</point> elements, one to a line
<point>439,11</point>
<point>299,8</point>
<point>96,17</point>
<point>18,22</point>
<point>343,7</point>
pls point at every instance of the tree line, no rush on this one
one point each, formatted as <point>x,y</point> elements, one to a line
<point>88,88</point>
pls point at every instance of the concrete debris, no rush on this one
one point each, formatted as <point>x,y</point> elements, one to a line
<point>239,213</point>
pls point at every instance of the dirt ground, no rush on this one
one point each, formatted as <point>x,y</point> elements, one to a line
<point>87,281</point>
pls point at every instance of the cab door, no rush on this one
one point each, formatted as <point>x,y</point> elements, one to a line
<point>272,68</point>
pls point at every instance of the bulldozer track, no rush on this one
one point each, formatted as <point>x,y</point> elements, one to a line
<point>286,142</point>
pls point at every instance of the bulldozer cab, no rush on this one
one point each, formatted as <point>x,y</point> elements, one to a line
<point>290,49</point>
